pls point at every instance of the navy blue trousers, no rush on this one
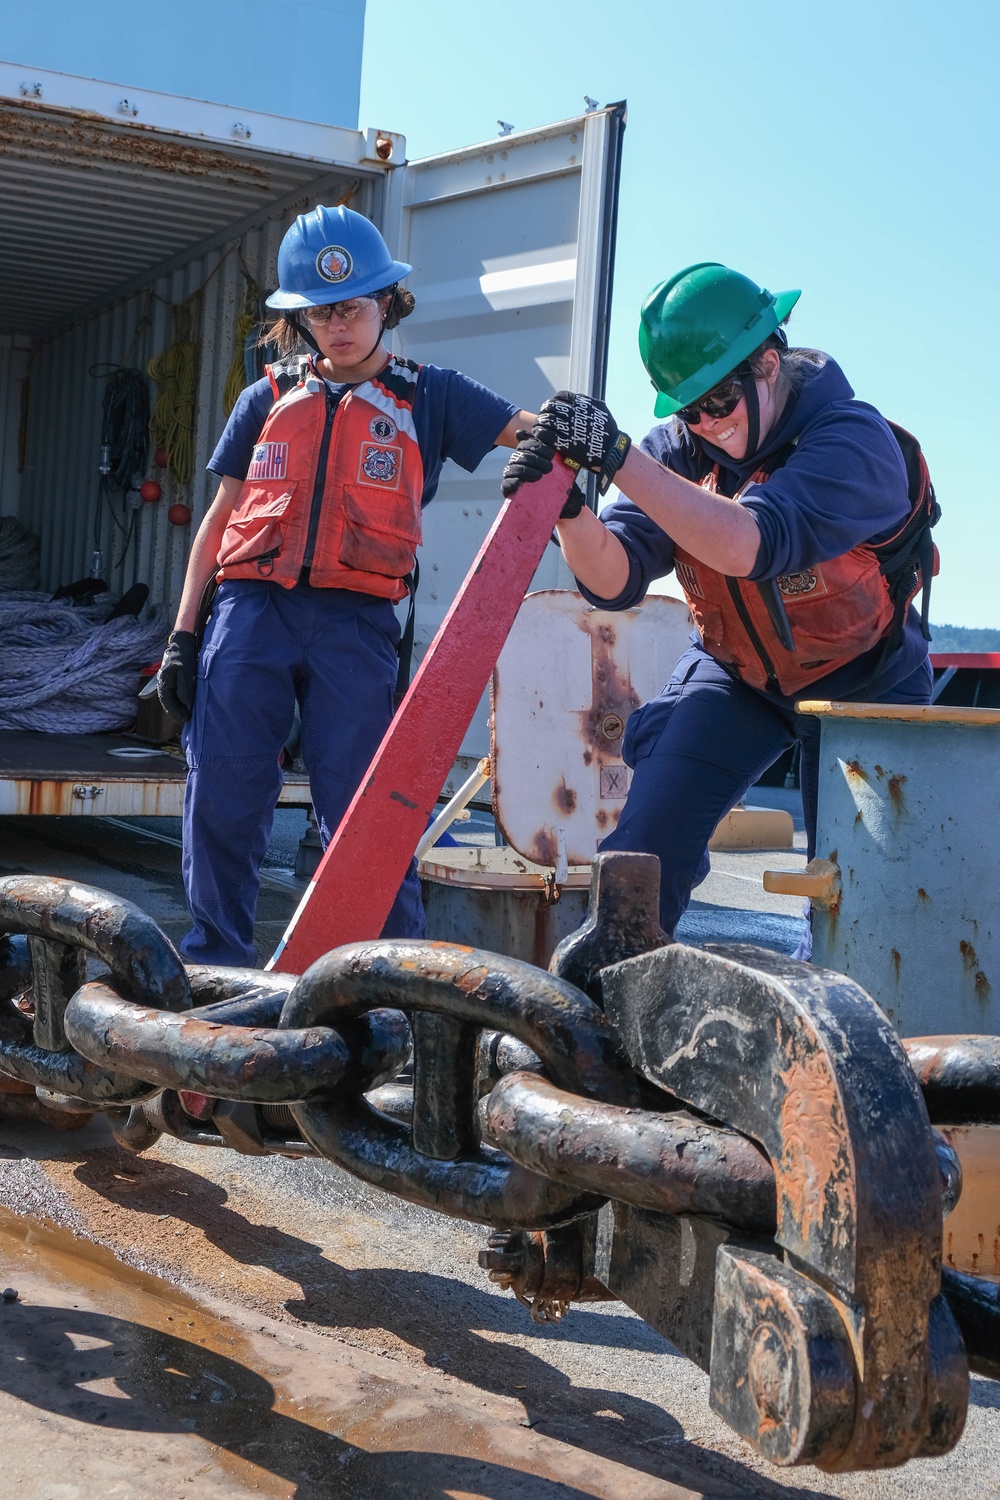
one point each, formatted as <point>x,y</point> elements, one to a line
<point>696,750</point>
<point>266,647</point>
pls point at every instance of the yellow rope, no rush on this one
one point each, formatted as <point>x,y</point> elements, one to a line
<point>247,320</point>
<point>176,373</point>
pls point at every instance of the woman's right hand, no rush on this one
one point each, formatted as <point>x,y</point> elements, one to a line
<point>176,678</point>
<point>532,458</point>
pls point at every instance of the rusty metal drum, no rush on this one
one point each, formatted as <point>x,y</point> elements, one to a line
<point>908,900</point>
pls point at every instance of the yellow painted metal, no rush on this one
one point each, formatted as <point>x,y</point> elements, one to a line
<point>754,828</point>
<point>820,881</point>
<point>907,713</point>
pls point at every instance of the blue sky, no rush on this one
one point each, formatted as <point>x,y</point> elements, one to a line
<point>849,150</point>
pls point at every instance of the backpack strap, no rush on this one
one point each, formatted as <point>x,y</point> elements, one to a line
<point>405,648</point>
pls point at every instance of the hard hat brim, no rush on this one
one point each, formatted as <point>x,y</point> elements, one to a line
<point>328,294</point>
<point>709,375</point>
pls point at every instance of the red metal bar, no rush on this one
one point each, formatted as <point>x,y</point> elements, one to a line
<point>977,660</point>
<point>357,879</point>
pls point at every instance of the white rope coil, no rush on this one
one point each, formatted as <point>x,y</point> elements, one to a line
<point>67,669</point>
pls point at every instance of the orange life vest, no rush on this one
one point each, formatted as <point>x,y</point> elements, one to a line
<point>836,610</point>
<point>334,487</point>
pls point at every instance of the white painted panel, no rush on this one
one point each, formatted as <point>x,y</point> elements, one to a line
<point>512,246</point>
<point>565,684</point>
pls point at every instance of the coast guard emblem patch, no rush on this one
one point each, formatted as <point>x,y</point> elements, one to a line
<point>380,465</point>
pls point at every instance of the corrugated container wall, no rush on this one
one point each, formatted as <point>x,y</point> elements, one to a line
<point>13,366</point>
<point>60,496</point>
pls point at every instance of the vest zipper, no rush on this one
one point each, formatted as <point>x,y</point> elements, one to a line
<point>758,645</point>
<point>320,483</point>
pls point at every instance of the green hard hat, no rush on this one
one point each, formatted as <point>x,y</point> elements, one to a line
<point>699,325</point>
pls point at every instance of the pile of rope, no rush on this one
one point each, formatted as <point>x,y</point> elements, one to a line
<point>68,669</point>
<point>20,555</point>
<point>176,373</point>
<point>247,324</point>
<point>124,425</point>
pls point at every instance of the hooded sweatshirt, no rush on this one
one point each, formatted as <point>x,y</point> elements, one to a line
<point>843,483</point>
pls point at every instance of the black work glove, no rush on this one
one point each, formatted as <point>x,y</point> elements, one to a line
<point>530,460</point>
<point>175,679</point>
<point>583,430</point>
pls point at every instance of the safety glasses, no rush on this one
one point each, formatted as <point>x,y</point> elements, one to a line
<point>348,312</point>
<point>721,401</point>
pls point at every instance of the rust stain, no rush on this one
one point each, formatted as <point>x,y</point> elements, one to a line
<point>815,1182</point>
<point>602,817</point>
<point>28,131</point>
<point>878,770</point>
<point>472,980</point>
<point>613,697</point>
<point>968,953</point>
<point>983,989</point>
<point>896,792</point>
<point>859,817</point>
<point>853,768</point>
<point>541,937</point>
<point>565,798</point>
<point>922,893</point>
<point>896,961</point>
<point>543,848</point>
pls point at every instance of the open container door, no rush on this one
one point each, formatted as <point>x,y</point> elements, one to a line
<point>512,246</point>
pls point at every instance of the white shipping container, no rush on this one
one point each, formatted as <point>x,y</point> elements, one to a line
<point>113,219</point>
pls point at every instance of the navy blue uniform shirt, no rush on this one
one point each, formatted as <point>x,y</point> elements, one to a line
<point>843,483</point>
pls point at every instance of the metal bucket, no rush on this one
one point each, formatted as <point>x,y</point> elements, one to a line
<point>498,900</point>
<point>909,813</point>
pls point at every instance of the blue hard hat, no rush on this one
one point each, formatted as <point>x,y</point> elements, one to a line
<point>331,255</point>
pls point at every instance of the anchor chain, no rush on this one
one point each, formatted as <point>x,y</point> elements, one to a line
<point>733,1143</point>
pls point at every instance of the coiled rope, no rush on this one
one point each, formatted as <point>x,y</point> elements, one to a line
<point>176,373</point>
<point>245,325</point>
<point>68,669</point>
<point>125,425</point>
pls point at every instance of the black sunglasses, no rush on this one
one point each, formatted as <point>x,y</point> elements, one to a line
<point>721,401</point>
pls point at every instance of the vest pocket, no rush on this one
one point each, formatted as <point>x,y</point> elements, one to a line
<point>844,613</point>
<point>381,531</point>
<point>255,531</point>
<point>709,623</point>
